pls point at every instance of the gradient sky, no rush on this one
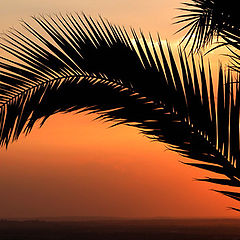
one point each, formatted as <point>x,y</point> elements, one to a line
<point>74,166</point>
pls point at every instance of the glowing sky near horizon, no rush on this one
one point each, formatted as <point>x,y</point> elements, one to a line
<point>74,166</point>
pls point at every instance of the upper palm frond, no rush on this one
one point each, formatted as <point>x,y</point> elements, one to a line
<point>94,66</point>
<point>206,19</point>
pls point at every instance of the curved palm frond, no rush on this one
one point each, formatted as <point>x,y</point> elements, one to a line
<point>206,19</point>
<point>95,66</point>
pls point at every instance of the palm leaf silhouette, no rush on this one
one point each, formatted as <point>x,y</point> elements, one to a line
<point>206,19</point>
<point>94,66</point>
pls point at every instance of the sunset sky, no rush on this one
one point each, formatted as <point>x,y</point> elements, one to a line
<point>74,166</point>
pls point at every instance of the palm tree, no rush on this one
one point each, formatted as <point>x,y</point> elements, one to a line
<point>79,64</point>
<point>209,20</point>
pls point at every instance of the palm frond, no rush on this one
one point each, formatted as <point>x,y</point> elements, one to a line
<point>209,19</point>
<point>80,64</point>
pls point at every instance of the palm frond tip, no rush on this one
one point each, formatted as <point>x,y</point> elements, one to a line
<point>205,20</point>
<point>80,64</point>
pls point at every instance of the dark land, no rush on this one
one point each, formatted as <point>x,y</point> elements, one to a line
<point>120,229</point>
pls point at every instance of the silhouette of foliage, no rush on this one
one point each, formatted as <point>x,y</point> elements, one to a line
<point>209,19</point>
<point>80,64</point>
<point>206,19</point>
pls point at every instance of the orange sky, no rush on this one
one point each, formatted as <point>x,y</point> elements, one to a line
<point>85,168</point>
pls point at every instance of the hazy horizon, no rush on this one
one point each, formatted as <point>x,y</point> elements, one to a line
<point>110,218</point>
